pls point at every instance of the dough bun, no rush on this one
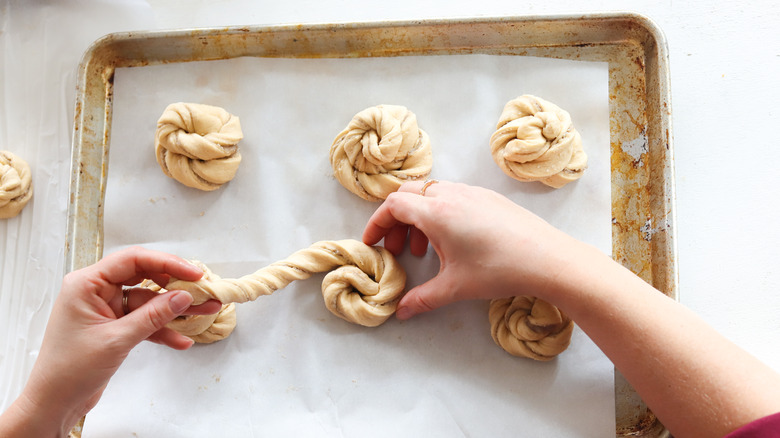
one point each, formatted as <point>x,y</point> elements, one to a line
<point>380,149</point>
<point>535,140</point>
<point>15,184</point>
<point>197,145</point>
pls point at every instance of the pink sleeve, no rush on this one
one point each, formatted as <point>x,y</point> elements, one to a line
<point>767,427</point>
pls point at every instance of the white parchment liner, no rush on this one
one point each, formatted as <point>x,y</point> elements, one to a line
<point>291,366</point>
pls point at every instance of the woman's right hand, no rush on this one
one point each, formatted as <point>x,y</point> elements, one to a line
<point>695,380</point>
<point>488,246</point>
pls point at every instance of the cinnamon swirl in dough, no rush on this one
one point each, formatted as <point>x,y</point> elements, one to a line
<point>535,140</point>
<point>197,145</point>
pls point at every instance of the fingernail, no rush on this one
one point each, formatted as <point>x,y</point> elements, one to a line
<point>180,302</point>
<point>403,313</point>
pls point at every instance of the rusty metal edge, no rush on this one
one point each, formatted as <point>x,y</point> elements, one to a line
<point>94,107</point>
<point>665,207</point>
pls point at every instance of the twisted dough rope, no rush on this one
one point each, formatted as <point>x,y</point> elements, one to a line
<point>197,145</point>
<point>15,184</point>
<point>364,288</point>
<point>529,327</point>
<point>203,329</point>
<point>535,140</point>
<point>380,149</point>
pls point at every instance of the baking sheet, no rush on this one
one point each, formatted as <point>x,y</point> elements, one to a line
<point>291,365</point>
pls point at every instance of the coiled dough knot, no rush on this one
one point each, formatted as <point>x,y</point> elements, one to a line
<point>197,145</point>
<point>380,149</point>
<point>535,140</point>
<point>15,184</point>
<point>364,286</point>
<point>203,329</point>
<point>529,327</point>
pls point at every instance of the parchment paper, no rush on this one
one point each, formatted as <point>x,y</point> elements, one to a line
<point>291,366</point>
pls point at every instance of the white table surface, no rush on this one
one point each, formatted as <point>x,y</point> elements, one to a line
<point>725,65</point>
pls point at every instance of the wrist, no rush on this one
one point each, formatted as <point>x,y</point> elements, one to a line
<point>593,284</point>
<point>42,409</point>
<point>25,418</point>
<point>579,272</point>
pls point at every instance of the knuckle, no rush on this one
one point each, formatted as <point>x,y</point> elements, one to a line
<point>423,303</point>
<point>77,284</point>
<point>71,279</point>
<point>135,249</point>
<point>157,318</point>
<point>393,200</point>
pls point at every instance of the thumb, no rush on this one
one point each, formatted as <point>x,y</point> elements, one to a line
<point>155,314</point>
<point>423,298</point>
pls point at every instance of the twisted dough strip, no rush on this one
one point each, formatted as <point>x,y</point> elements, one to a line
<point>15,184</point>
<point>379,150</point>
<point>203,329</point>
<point>364,288</point>
<point>197,145</point>
<point>529,327</point>
<point>535,140</point>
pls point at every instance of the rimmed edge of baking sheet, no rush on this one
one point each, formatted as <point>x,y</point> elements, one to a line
<point>643,223</point>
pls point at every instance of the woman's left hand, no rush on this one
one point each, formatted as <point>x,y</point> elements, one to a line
<point>89,336</point>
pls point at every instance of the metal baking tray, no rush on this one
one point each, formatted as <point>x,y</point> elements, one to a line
<point>643,215</point>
